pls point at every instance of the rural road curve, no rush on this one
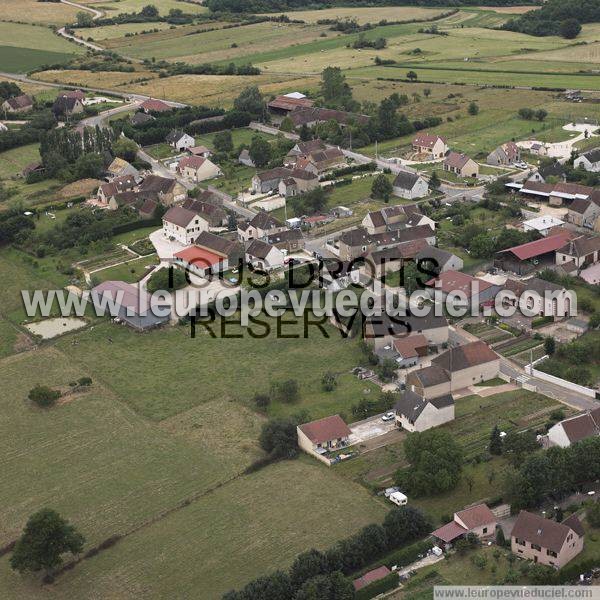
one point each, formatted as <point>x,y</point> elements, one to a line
<point>63,30</point>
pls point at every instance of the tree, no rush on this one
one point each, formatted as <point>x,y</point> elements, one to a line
<point>381,188</point>
<point>328,382</point>
<point>541,114</point>
<point>526,113</point>
<point>149,11</point>
<point>46,537</point>
<point>285,391</point>
<point>279,439</point>
<point>519,444</point>
<point>44,396</point>
<point>387,370</point>
<point>85,19</point>
<point>495,446</point>
<point>306,566</point>
<point>260,151</point>
<point>593,514</point>
<point>333,586</point>
<point>125,148</point>
<point>482,246</point>
<point>405,524</point>
<point>411,76</point>
<point>335,91</point>
<point>436,463</point>
<point>549,346</point>
<point>286,125</point>
<point>250,101</point>
<point>570,28</point>
<point>168,279</point>
<point>434,181</point>
<point>426,92</point>
<point>473,109</point>
<point>223,141</point>
<point>500,538</point>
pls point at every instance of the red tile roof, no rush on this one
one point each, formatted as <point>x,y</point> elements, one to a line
<point>539,247</point>
<point>456,281</point>
<point>287,103</point>
<point>407,347</point>
<point>325,430</point>
<point>427,140</point>
<point>194,162</point>
<point>370,577</point>
<point>155,105</point>
<point>199,257</point>
<point>476,516</point>
<point>449,532</point>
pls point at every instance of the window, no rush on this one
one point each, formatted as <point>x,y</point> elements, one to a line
<point>485,530</point>
<point>551,553</point>
<point>536,547</point>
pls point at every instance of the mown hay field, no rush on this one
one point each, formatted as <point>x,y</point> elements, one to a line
<point>113,7</point>
<point>104,79</point>
<point>366,15</point>
<point>32,11</point>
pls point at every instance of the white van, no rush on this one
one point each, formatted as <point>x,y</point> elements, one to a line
<point>399,499</point>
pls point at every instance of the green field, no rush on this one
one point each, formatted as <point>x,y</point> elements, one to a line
<point>130,271</point>
<point>112,7</point>
<point>12,162</point>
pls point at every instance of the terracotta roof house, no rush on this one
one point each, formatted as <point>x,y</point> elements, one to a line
<point>455,369</point>
<point>260,226</point>
<point>574,429</point>
<point>415,413</point>
<point>322,436</point>
<point>281,106</point>
<point>395,217</point>
<point>213,213</point>
<point>153,105</point>
<point>458,285</point>
<point>18,104</point>
<point>117,185</point>
<point>164,190</point>
<point>183,225</point>
<point>370,577</point>
<point>433,145</point>
<point>410,186</point>
<point>478,520</point>
<point>532,256</point>
<point>303,150</point>
<point>547,542</point>
<point>201,261</point>
<point>461,165</point>
<point>198,168</point>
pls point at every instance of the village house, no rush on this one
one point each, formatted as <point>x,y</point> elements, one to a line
<point>381,331</point>
<point>121,168</point>
<point>478,520</point>
<point>552,171</point>
<point>117,185</point>
<point>212,213</point>
<point>545,541</point>
<point>590,161</point>
<point>65,106</point>
<point>584,212</point>
<point>201,261</point>
<point>504,155</point>
<point>157,106</point>
<point>281,106</point>
<point>245,159</point>
<point>198,168</point>
<point>410,350</point>
<point>459,286</point>
<point>319,161</point>
<point>183,225</point>
<point>202,151</point>
<point>540,297</point>
<point>461,165</point>
<point>180,140</point>
<point>303,150</point>
<point>267,181</point>
<point>145,207</point>
<point>164,190</point>
<point>322,436</point>
<point>141,118</point>
<point>299,182</point>
<point>390,260</point>
<point>18,104</point>
<point>232,250</point>
<point>410,186</point>
<point>583,251</point>
<point>532,256</point>
<point>414,413</point>
<point>290,240</point>
<point>264,256</point>
<point>575,429</point>
<point>390,217</point>
<point>261,226</point>
<point>440,260</point>
<point>434,146</point>
<point>455,369</point>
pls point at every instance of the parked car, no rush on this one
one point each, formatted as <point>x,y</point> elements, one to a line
<point>389,416</point>
<point>389,491</point>
<point>399,499</point>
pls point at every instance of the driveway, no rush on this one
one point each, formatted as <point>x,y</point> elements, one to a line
<point>562,150</point>
<point>370,428</point>
<point>165,248</point>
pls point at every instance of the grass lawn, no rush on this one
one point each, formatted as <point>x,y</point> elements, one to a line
<point>160,151</point>
<point>130,271</point>
<point>162,360</point>
<point>12,162</point>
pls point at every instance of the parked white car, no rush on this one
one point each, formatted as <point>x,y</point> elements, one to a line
<point>389,416</point>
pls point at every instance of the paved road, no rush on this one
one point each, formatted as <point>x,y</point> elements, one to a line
<point>63,30</point>
<point>571,398</point>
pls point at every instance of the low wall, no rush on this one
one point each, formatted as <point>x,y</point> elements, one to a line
<point>561,382</point>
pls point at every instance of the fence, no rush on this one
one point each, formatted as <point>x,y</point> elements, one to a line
<point>561,382</point>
